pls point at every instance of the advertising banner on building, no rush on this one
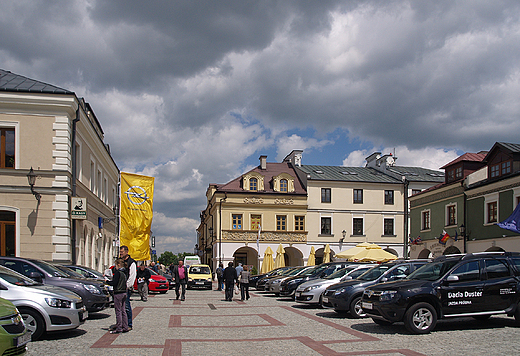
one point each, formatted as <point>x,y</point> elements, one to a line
<point>136,214</point>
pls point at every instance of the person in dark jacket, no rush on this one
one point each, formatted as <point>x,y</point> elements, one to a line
<point>180,276</point>
<point>230,278</point>
<point>130,271</point>
<point>143,279</point>
<point>220,276</point>
<point>119,283</point>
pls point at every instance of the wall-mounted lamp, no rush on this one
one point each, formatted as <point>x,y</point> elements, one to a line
<point>344,233</point>
<point>31,178</point>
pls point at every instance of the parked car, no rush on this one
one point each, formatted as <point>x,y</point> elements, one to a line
<point>261,282</point>
<point>92,274</point>
<point>477,285</point>
<point>94,294</point>
<point>43,307</point>
<point>311,292</point>
<point>346,296</point>
<point>273,284</point>
<point>14,336</point>
<point>171,282</point>
<point>157,283</point>
<point>289,285</point>
<point>254,279</point>
<point>199,276</point>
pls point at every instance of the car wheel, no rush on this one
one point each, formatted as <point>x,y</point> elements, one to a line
<point>34,322</point>
<point>382,322</point>
<point>421,318</point>
<point>355,308</point>
<point>517,315</point>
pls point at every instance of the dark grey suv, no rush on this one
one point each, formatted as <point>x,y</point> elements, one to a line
<point>94,294</point>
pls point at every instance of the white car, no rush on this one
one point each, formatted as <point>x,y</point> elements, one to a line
<point>43,307</point>
<point>311,292</point>
<point>273,285</point>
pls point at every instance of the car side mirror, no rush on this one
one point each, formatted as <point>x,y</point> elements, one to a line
<point>452,278</point>
<point>36,277</point>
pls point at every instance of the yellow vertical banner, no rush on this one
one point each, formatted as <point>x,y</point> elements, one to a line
<point>136,214</point>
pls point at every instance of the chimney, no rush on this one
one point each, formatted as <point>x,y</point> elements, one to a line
<point>373,160</point>
<point>263,162</point>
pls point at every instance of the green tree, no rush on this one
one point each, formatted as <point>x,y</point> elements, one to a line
<point>167,258</point>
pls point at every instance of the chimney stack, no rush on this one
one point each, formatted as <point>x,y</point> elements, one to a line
<point>263,162</point>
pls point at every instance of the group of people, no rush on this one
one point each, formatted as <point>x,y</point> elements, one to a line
<point>231,277</point>
<point>124,274</point>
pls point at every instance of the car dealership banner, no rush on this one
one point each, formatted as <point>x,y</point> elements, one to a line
<point>136,214</point>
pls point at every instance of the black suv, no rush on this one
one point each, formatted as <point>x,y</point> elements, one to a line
<point>477,285</point>
<point>94,294</point>
<point>288,286</point>
<point>346,296</point>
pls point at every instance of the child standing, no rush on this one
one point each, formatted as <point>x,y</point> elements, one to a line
<point>119,284</point>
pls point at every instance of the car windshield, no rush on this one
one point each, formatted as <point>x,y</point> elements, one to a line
<point>295,272</point>
<point>199,270</point>
<point>16,278</point>
<point>433,271</point>
<point>339,273</point>
<point>355,274</point>
<point>69,272</point>
<point>374,273</point>
<point>93,271</point>
<point>50,269</point>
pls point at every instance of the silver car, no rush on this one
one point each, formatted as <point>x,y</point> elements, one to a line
<point>43,307</point>
<point>311,292</point>
<point>273,285</point>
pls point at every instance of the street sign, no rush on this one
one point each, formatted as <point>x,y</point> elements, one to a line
<point>154,252</point>
<point>78,208</point>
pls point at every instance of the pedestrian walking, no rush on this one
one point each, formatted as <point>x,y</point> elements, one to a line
<point>230,278</point>
<point>180,276</point>
<point>130,272</point>
<point>239,269</point>
<point>119,283</point>
<point>243,279</point>
<point>220,276</point>
<point>143,279</point>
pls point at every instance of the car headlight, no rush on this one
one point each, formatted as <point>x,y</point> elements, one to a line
<point>92,289</point>
<point>208,279</point>
<point>151,280</point>
<point>190,279</point>
<point>58,303</point>
<point>308,289</point>
<point>387,295</point>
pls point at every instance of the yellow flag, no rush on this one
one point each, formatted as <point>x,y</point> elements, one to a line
<point>136,214</point>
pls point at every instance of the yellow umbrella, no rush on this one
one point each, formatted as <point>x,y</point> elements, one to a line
<point>326,254</point>
<point>373,253</point>
<point>267,264</point>
<point>353,251</point>
<point>312,259</point>
<point>280,260</point>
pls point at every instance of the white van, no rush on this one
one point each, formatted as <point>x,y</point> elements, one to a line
<point>191,260</point>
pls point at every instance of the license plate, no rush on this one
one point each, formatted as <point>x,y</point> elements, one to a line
<point>22,340</point>
<point>199,282</point>
<point>367,305</point>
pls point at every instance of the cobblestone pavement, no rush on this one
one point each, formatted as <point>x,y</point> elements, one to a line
<point>206,325</point>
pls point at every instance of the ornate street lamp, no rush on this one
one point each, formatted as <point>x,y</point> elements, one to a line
<point>31,178</point>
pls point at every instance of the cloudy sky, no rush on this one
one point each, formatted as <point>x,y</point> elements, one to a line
<point>193,92</point>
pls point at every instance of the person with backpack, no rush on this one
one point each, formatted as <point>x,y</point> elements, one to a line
<point>119,283</point>
<point>220,276</point>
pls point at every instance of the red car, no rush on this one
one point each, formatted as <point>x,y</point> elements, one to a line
<point>157,283</point>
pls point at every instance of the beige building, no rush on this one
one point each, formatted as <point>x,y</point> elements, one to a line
<point>49,130</point>
<point>267,203</point>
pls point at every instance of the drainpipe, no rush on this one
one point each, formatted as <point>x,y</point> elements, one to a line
<point>405,240</point>
<point>220,229</point>
<point>74,177</point>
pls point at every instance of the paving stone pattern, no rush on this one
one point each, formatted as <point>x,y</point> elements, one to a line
<point>205,324</point>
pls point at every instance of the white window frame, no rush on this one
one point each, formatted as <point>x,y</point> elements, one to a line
<point>393,225</point>
<point>331,224</point>
<point>423,228</point>
<point>16,126</point>
<point>490,198</point>
<point>364,222</point>
<point>447,216</point>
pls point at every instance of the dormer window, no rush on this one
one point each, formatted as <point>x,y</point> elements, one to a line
<point>253,184</point>
<point>283,183</point>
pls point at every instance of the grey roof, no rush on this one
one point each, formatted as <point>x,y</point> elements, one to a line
<point>18,83</point>
<point>368,174</point>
